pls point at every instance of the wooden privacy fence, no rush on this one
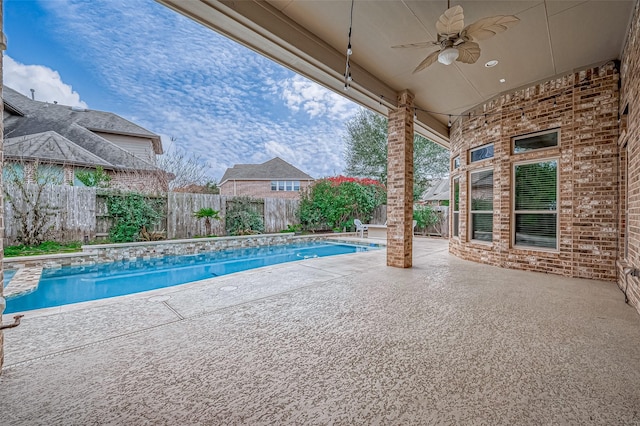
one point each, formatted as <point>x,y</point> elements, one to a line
<point>276,213</point>
<point>82,212</point>
<point>73,211</point>
<point>440,229</point>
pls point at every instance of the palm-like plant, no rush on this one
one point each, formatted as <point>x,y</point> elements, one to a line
<point>207,213</point>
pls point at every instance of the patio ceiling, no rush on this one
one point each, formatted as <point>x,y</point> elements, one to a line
<point>310,37</point>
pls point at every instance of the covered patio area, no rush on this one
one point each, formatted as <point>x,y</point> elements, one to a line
<point>343,340</point>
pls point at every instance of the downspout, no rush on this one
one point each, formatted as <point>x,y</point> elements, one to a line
<point>634,273</point>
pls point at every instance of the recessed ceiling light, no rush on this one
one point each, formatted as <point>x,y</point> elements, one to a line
<point>491,63</point>
<point>502,80</point>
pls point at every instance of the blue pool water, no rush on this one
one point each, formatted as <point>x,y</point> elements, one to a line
<point>73,284</point>
<point>8,274</point>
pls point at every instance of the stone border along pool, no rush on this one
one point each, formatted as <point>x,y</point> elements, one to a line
<point>29,268</point>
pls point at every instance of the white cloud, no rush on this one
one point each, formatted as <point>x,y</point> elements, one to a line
<point>315,100</point>
<point>279,149</point>
<point>220,100</point>
<point>46,82</point>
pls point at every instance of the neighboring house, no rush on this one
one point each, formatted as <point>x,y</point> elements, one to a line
<point>274,179</point>
<point>437,194</point>
<point>64,140</point>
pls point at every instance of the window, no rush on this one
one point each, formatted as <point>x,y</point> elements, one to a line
<point>536,204</point>
<point>542,140</point>
<point>12,172</point>
<point>49,174</point>
<point>482,153</point>
<point>456,163</point>
<point>481,196</point>
<point>456,207</point>
<point>285,185</point>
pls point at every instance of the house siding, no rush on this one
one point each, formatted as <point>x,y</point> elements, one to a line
<point>584,107</point>
<point>259,188</point>
<point>138,146</point>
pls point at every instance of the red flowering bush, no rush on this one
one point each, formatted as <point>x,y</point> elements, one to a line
<point>337,180</point>
<point>334,202</point>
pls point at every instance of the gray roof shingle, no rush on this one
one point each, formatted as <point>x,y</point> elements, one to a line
<point>274,169</point>
<point>438,191</point>
<point>76,126</point>
<point>50,147</point>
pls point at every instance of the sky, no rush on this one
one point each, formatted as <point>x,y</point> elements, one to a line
<point>136,58</point>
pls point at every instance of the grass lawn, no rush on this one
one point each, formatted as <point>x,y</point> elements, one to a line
<point>48,247</point>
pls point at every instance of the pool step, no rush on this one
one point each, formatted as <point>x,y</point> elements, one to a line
<point>24,281</point>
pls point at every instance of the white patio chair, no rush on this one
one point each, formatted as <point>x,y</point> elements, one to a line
<point>360,228</point>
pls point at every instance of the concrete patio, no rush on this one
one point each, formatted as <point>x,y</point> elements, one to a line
<point>343,340</point>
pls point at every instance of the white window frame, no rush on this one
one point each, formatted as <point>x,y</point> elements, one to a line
<point>515,212</point>
<point>472,212</point>
<point>285,185</point>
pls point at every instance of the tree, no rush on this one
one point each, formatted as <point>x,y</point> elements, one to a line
<point>207,213</point>
<point>25,190</point>
<point>366,146</point>
<point>366,152</point>
<point>184,168</point>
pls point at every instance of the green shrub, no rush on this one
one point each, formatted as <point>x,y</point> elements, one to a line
<point>334,203</point>
<point>131,212</point>
<point>98,178</point>
<point>242,217</point>
<point>425,216</point>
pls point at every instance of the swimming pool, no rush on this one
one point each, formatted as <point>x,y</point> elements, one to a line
<point>73,284</point>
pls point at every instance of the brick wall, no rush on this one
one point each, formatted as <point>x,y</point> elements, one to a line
<point>400,184</point>
<point>143,181</point>
<point>258,189</point>
<point>629,143</point>
<point>583,106</point>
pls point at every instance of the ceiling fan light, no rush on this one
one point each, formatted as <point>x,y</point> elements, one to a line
<point>448,55</point>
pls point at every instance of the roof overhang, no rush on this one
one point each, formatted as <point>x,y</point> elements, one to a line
<point>553,37</point>
<point>264,29</point>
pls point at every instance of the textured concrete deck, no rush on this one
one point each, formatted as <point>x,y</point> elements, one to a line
<point>341,340</point>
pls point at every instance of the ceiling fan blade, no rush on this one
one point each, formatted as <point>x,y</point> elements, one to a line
<point>468,52</point>
<point>427,61</point>
<point>451,22</point>
<point>415,45</point>
<point>488,27</point>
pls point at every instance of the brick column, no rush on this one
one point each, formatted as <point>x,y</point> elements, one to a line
<point>400,184</point>
<point>2,303</point>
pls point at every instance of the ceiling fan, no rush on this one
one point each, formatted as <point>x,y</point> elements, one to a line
<point>458,42</point>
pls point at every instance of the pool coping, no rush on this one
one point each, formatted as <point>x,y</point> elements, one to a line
<point>29,276</point>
